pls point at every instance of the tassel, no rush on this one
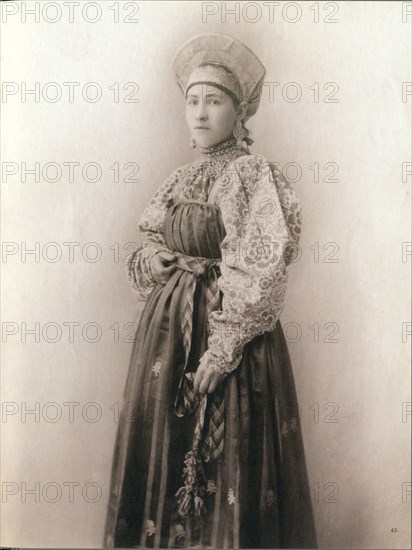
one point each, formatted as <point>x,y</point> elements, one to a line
<point>190,495</point>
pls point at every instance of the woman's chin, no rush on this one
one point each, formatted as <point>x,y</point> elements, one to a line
<point>206,142</point>
<point>202,142</point>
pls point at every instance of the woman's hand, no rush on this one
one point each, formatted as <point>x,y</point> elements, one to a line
<point>207,380</point>
<point>161,266</point>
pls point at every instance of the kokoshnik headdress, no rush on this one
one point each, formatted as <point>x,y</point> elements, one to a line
<point>219,60</point>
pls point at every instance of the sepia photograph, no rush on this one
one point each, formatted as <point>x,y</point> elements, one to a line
<point>206,264</point>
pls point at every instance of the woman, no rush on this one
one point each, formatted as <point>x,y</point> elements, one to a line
<point>209,452</point>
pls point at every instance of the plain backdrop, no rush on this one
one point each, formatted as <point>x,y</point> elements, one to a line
<point>347,308</point>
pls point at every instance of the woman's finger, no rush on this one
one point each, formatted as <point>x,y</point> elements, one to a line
<point>212,386</point>
<point>203,379</point>
<point>163,275</point>
<point>197,380</point>
<point>159,268</point>
<point>204,386</point>
<point>168,270</point>
<point>168,256</point>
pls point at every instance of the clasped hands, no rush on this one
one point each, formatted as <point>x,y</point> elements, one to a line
<point>162,267</point>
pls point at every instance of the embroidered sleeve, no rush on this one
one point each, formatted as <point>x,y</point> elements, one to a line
<point>291,208</point>
<point>261,215</point>
<point>151,225</point>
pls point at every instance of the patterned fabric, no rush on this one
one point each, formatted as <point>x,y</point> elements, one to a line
<point>262,219</point>
<point>191,181</point>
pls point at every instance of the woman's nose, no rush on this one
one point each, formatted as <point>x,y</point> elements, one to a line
<point>201,113</point>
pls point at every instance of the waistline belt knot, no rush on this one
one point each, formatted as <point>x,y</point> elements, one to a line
<point>200,267</point>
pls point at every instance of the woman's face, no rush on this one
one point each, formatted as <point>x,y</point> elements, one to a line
<point>210,114</point>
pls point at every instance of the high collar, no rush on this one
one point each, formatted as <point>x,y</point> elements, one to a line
<point>221,149</point>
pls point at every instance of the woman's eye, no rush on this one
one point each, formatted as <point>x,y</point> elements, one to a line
<point>214,101</point>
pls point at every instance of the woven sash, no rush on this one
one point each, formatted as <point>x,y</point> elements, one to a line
<point>209,429</point>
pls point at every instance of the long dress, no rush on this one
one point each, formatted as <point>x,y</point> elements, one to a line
<point>253,489</point>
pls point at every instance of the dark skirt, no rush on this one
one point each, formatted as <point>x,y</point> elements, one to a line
<point>257,490</point>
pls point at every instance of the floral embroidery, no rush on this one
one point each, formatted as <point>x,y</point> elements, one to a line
<point>253,248</point>
<point>180,530</point>
<point>231,498</point>
<point>151,527</point>
<point>262,219</point>
<point>264,283</point>
<point>156,368</point>
<point>293,425</point>
<point>265,208</point>
<point>211,487</point>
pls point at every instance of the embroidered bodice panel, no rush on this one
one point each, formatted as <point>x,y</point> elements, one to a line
<point>261,216</point>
